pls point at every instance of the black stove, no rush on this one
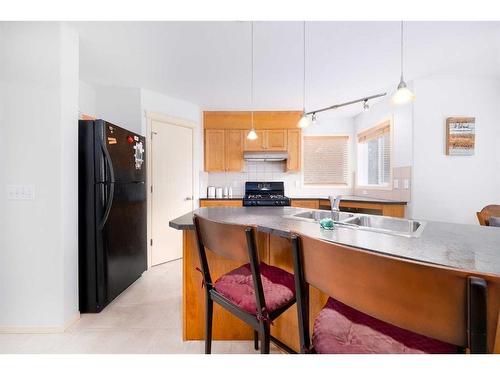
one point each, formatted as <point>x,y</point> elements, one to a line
<point>265,194</point>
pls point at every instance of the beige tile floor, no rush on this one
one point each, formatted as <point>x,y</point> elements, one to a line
<point>146,318</point>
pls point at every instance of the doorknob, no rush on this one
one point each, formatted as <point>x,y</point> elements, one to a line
<point>188,198</point>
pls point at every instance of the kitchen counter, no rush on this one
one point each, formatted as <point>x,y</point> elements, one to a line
<point>234,198</point>
<point>345,198</point>
<point>353,198</point>
<point>467,247</point>
<point>472,248</point>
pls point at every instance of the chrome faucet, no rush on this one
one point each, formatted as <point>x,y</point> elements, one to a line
<point>335,205</point>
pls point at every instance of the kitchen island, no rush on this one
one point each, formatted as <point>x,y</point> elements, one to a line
<point>474,249</point>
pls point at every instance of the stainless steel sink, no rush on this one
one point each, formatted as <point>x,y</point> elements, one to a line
<point>373,223</point>
<point>385,224</point>
<point>317,215</point>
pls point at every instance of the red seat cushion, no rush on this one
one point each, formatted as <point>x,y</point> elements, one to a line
<point>237,286</point>
<point>342,329</point>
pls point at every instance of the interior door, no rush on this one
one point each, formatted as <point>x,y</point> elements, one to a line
<point>172,187</point>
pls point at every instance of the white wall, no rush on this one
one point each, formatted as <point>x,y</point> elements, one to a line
<point>38,238</point>
<point>120,106</point>
<point>453,188</point>
<point>86,99</point>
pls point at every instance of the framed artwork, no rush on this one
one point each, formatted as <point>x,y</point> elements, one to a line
<point>460,136</point>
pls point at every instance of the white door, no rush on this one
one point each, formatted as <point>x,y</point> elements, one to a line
<point>172,187</point>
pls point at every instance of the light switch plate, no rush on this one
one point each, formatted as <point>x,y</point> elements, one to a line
<point>21,192</point>
<point>406,184</point>
<point>396,183</point>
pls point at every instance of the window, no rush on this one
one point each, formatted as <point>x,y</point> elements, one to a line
<point>374,156</point>
<point>326,160</point>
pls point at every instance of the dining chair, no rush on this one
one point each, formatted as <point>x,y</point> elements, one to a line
<point>383,304</point>
<point>255,292</point>
<point>492,210</point>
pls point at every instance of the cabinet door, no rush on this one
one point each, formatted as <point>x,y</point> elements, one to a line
<point>276,139</point>
<point>221,203</point>
<point>258,144</point>
<point>214,150</point>
<point>234,150</point>
<point>305,203</point>
<point>294,150</point>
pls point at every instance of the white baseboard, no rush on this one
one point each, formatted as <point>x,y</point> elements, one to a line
<point>40,329</point>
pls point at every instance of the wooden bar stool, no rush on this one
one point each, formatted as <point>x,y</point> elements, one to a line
<point>383,304</point>
<point>256,293</point>
<point>492,210</point>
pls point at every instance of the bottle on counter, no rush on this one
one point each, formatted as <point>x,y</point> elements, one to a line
<point>218,192</point>
<point>230,195</point>
<point>226,192</point>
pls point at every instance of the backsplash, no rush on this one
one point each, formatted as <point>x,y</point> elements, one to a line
<point>265,171</point>
<point>276,171</point>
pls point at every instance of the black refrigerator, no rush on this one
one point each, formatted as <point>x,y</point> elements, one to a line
<point>112,212</point>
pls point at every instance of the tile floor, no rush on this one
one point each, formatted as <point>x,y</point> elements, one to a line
<point>146,318</point>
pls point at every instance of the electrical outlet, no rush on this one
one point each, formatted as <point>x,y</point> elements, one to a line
<point>406,183</point>
<point>20,192</point>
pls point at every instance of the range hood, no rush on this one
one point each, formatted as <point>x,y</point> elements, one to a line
<point>265,155</point>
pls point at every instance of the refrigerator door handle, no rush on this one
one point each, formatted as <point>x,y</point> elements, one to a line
<point>111,184</point>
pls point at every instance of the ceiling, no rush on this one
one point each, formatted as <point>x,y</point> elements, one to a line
<point>209,63</point>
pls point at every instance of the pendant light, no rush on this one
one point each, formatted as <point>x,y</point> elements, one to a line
<point>403,94</point>
<point>252,134</point>
<point>304,121</point>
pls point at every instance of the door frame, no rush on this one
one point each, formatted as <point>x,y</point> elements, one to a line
<point>166,120</point>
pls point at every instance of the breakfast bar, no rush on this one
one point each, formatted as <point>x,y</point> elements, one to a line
<point>474,249</point>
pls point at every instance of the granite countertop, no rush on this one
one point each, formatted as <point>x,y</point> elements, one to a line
<point>345,198</point>
<point>472,248</point>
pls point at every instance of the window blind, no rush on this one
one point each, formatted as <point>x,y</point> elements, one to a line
<point>375,132</point>
<point>326,160</point>
<point>374,155</point>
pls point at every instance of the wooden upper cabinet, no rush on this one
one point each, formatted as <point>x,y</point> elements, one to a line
<point>214,150</point>
<point>234,150</point>
<point>226,137</point>
<point>294,150</point>
<point>276,139</point>
<point>243,119</point>
<point>258,144</point>
<point>227,120</point>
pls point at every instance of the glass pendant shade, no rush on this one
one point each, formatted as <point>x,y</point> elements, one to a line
<point>304,122</point>
<point>403,94</point>
<point>252,135</point>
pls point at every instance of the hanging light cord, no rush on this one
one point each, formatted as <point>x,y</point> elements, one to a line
<point>304,73</point>
<point>401,50</point>
<point>251,85</point>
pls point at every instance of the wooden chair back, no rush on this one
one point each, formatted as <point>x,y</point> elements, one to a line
<point>226,240</point>
<point>450,305</point>
<point>231,241</point>
<point>484,215</point>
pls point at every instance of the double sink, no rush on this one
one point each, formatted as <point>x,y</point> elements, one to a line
<point>372,223</point>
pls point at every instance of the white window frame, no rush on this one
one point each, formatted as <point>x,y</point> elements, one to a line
<point>349,161</point>
<point>388,186</point>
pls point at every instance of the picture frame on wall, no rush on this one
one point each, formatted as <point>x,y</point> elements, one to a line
<point>460,136</point>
